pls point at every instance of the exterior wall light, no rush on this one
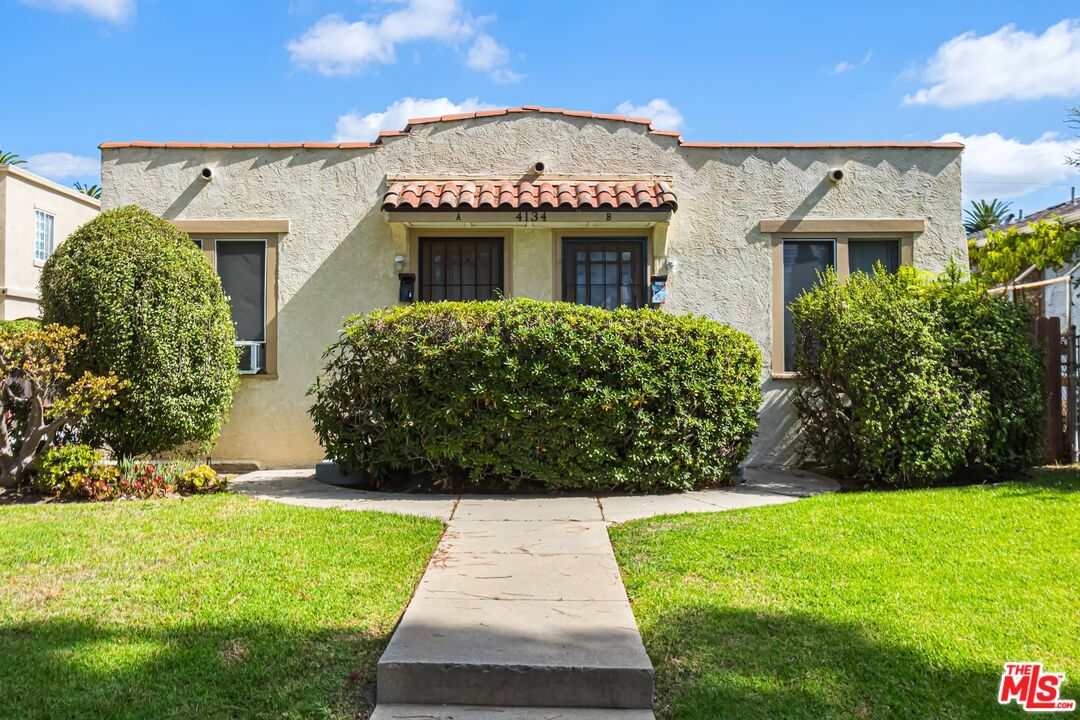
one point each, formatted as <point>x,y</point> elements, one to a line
<point>399,262</point>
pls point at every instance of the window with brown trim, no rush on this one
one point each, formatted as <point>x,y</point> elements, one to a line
<point>461,268</point>
<point>797,260</point>
<point>604,272</point>
<point>247,266</point>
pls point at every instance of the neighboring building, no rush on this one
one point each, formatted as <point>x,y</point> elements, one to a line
<point>533,202</point>
<point>36,215</point>
<point>1053,297</point>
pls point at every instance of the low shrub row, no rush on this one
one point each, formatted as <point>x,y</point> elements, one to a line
<point>514,391</point>
<point>906,379</point>
<point>78,472</point>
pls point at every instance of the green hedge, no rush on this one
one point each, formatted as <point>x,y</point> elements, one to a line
<point>569,396</point>
<point>910,380</point>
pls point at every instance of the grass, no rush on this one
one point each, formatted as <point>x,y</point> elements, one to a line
<point>879,605</point>
<point>208,607</point>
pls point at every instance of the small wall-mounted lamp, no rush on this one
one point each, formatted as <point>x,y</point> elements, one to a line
<point>672,265</point>
<point>399,262</point>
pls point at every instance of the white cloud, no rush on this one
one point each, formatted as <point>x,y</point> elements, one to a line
<point>996,166</point>
<point>1009,64</point>
<point>335,46</point>
<point>487,55</point>
<point>354,127</point>
<point>114,11</point>
<point>62,165</point>
<point>664,115</point>
<point>845,66</point>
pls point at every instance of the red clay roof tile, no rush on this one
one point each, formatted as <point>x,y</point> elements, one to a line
<point>540,194</point>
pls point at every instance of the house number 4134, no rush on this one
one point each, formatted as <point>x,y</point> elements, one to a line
<point>533,216</point>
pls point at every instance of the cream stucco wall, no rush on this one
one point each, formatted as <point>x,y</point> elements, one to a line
<point>338,257</point>
<point>21,193</point>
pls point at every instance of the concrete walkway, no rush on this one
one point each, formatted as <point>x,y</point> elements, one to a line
<point>521,614</point>
<point>764,486</point>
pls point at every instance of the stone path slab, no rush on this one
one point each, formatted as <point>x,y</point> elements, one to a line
<point>534,538</point>
<point>522,613</point>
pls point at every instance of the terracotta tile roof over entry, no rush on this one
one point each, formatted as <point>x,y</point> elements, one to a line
<point>530,194</point>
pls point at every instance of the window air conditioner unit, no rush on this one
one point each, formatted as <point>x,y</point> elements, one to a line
<point>251,356</point>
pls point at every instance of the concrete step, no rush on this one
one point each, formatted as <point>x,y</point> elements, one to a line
<point>478,712</point>
<point>526,653</point>
<point>523,613</point>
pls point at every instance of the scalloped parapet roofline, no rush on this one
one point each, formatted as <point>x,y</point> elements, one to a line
<point>511,111</point>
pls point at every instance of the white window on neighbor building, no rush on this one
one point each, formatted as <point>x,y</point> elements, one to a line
<point>43,235</point>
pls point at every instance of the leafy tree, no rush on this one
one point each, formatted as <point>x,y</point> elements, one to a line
<point>982,215</point>
<point>93,191</point>
<point>1007,253</point>
<point>154,313</point>
<point>40,395</point>
<point>10,158</point>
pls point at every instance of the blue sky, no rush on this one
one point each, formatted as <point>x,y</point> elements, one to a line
<point>996,75</point>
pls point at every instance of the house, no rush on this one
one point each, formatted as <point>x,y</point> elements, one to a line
<point>1051,297</point>
<point>36,215</point>
<point>536,202</point>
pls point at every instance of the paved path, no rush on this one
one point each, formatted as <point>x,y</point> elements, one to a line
<point>521,614</point>
<point>763,486</point>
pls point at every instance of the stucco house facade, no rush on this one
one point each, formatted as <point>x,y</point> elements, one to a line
<point>36,215</point>
<point>534,202</point>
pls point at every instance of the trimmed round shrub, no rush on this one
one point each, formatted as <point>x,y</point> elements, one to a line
<point>153,312</point>
<point>908,380</point>
<point>514,391</point>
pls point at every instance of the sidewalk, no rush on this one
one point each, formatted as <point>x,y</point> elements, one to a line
<point>522,613</point>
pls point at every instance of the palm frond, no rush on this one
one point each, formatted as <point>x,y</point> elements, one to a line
<point>11,158</point>
<point>92,190</point>
<point>982,215</point>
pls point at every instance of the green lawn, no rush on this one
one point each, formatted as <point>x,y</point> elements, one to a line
<point>878,605</point>
<point>207,607</point>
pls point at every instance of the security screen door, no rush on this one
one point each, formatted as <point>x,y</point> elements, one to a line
<point>604,272</point>
<point>461,268</point>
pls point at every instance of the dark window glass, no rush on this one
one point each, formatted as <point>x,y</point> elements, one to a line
<point>803,260</point>
<point>607,273</point>
<point>242,265</point>
<point>198,242</point>
<point>461,268</point>
<point>864,255</point>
